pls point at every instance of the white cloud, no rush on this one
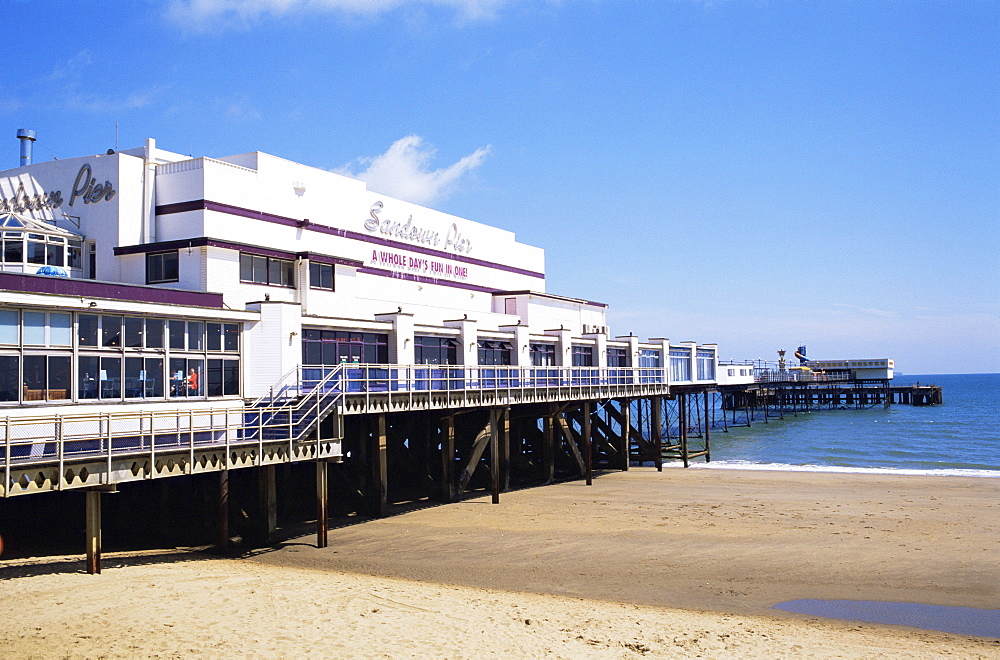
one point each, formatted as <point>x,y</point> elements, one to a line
<point>403,171</point>
<point>205,14</point>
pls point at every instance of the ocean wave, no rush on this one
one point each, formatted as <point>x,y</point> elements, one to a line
<point>784,467</point>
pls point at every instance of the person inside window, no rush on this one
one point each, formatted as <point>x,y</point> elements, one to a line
<point>192,382</point>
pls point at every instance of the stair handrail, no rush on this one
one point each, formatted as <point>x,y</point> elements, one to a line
<point>325,398</point>
<point>281,386</point>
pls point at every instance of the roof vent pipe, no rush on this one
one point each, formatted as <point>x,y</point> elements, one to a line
<point>26,136</point>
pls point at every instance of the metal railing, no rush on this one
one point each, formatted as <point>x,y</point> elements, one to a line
<point>46,440</point>
<point>459,384</point>
<point>796,376</point>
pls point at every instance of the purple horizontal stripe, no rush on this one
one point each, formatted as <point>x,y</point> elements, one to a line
<point>93,289</point>
<point>423,279</point>
<point>205,204</point>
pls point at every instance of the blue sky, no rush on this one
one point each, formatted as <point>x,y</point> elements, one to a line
<point>755,173</point>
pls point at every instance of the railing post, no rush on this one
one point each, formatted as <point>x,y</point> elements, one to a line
<point>6,463</point>
<point>110,436</point>
<point>191,439</point>
<point>59,448</point>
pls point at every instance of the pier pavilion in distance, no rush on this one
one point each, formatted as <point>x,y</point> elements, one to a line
<point>188,321</point>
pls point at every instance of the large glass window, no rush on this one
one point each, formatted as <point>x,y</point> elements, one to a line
<point>267,270</point>
<point>223,377</point>
<point>494,352</point>
<point>435,350</point>
<point>583,356</point>
<point>338,346</point>
<point>187,377</point>
<point>143,377</point>
<point>543,355</point>
<point>46,377</point>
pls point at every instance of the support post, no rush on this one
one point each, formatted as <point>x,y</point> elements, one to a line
<point>657,422</point>
<point>682,414</point>
<point>378,487</point>
<point>549,447</point>
<point>588,444</point>
<point>708,424</point>
<point>222,522</point>
<point>93,515</point>
<point>626,439</point>
<point>448,459</point>
<point>504,416</point>
<point>268,502</point>
<point>322,504</point>
<point>494,455</point>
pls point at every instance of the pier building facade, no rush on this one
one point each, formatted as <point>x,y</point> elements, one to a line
<point>165,315</point>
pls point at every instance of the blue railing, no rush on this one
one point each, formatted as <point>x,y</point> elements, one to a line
<point>373,378</point>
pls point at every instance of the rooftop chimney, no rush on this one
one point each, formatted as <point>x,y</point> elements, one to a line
<point>26,136</point>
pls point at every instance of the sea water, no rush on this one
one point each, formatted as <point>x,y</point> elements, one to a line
<point>959,437</point>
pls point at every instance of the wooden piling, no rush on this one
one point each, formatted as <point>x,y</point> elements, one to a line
<point>93,515</point>
<point>588,444</point>
<point>322,504</point>
<point>494,456</point>
<point>626,435</point>
<point>378,484</point>
<point>222,520</point>
<point>657,430</point>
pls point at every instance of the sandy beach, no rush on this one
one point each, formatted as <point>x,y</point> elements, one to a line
<point>684,563</point>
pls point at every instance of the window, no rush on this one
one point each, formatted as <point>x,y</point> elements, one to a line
<point>111,331</point>
<point>706,364</point>
<point>494,352</point>
<point>543,355</point>
<point>320,276</point>
<point>86,330</point>
<point>187,377</point>
<point>46,377</point>
<point>223,378</point>
<point>583,356</point>
<point>680,364</point>
<point>143,377</point>
<point>435,350</point>
<point>161,267</point>
<point>265,270</point>
<point>10,378</point>
<point>47,329</point>
<point>196,336</point>
<point>649,358</point>
<point>13,247</point>
<point>99,377</point>
<point>9,326</point>
<point>617,357</point>
<point>338,346</point>
<point>510,305</point>
<point>175,335</point>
